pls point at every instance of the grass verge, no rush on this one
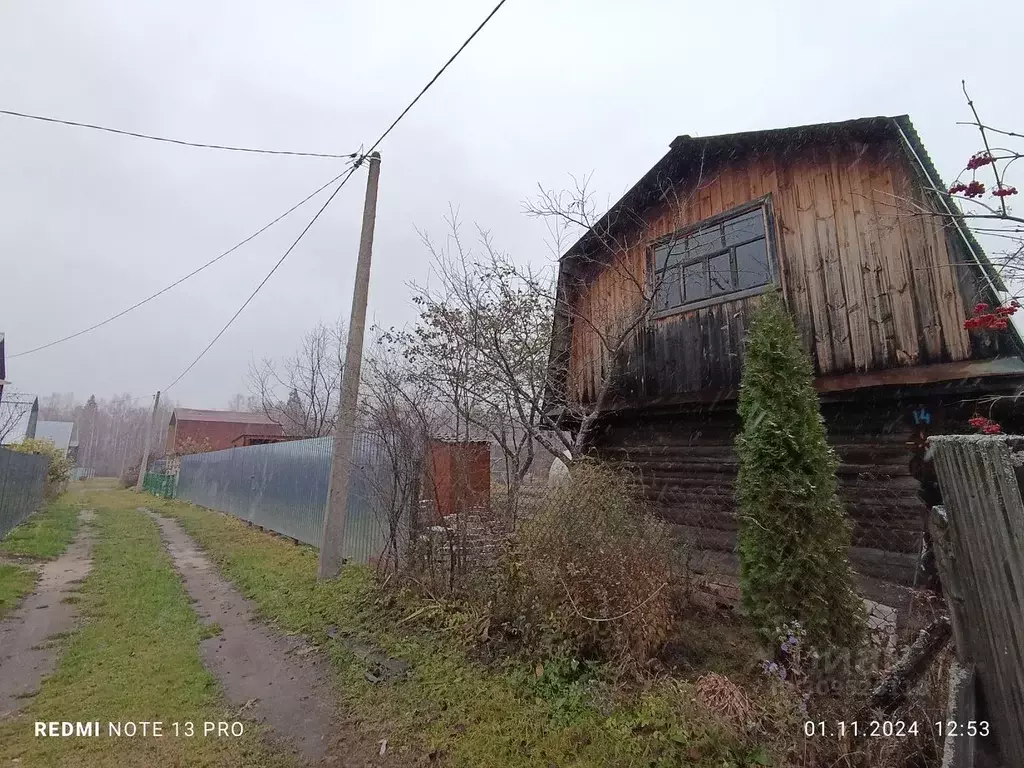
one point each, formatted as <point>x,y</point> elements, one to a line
<point>15,583</point>
<point>46,534</point>
<point>455,709</point>
<point>136,658</point>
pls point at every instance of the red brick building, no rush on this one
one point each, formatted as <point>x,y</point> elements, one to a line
<point>192,429</point>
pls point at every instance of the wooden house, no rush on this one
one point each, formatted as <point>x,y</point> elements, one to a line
<point>851,223</point>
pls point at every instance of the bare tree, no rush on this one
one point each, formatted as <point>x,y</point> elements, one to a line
<point>402,415</point>
<point>495,337</point>
<point>300,392</point>
<point>110,432</point>
<point>986,208</point>
<point>243,403</point>
<point>503,331</point>
<point>14,409</point>
<point>464,309</point>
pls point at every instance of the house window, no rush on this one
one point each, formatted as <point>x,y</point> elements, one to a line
<point>721,257</point>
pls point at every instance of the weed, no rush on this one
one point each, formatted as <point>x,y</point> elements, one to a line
<point>15,583</point>
<point>595,569</point>
<point>207,631</point>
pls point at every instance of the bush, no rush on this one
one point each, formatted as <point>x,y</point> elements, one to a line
<point>592,567</point>
<point>794,536</point>
<point>59,471</point>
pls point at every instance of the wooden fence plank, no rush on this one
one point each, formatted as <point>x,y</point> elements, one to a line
<point>981,564</point>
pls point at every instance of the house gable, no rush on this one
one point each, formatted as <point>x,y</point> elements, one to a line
<point>872,286</point>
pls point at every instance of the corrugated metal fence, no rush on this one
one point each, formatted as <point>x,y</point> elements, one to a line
<point>283,487</point>
<point>22,482</point>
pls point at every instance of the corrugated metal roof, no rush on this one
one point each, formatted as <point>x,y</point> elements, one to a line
<point>58,432</point>
<point>230,417</point>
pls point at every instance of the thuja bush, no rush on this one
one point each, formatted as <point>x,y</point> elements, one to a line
<point>593,568</point>
<point>794,535</point>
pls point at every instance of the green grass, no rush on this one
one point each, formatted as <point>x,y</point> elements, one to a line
<point>46,534</point>
<point>15,583</point>
<point>463,712</point>
<point>135,658</point>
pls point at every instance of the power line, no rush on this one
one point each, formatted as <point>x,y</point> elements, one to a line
<point>435,77</point>
<point>166,140</point>
<point>347,176</point>
<point>384,135</point>
<point>265,279</point>
<point>194,272</point>
<point>358,162</point>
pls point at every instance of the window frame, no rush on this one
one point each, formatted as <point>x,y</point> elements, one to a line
<point>763,203</point>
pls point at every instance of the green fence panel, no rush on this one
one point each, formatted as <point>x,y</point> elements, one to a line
<point>160,485</point>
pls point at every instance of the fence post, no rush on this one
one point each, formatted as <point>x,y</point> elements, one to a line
<point>980,554</point>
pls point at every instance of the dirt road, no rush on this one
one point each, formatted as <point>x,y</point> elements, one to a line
<point>278,680</point>
<point>27,652</point>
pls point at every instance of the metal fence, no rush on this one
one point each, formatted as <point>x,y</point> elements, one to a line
<point>22,482</point>
<point>159,484</point>
<point>283,487</point>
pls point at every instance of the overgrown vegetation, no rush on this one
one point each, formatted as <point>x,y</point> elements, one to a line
<point>519,711</point>
<point>15,582</point>
<point>794,536</point>
<point>592,569</point>
<point>60,466</point>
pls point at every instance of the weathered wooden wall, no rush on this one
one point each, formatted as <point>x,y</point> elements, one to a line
<point>871,286</point>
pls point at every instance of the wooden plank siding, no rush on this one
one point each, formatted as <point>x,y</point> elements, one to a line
<point>870,286</point>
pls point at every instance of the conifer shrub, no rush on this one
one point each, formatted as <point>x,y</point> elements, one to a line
<point>794,535</point>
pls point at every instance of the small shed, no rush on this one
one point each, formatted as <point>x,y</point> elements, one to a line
<point>458,476</point>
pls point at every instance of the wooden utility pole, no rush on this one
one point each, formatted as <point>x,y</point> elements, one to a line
<point>144,463</point>
<point>332,536</point>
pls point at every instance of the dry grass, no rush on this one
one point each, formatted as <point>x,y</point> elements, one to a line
<point>726,699</point>
<point>596,569</point>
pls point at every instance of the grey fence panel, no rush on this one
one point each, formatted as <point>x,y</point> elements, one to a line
<point>22,482</point>
<point>283,487</point>
<point>979,539</point>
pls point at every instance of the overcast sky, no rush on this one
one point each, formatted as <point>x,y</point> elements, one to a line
<point>92,222</point>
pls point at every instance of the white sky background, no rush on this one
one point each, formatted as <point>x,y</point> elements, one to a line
<point>90,222</point>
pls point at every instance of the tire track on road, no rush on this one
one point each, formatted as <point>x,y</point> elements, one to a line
<point>277,680</point>
<point>27,655</point>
